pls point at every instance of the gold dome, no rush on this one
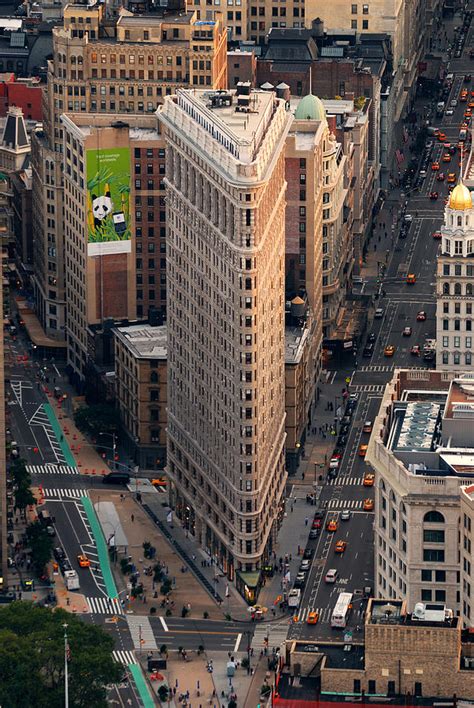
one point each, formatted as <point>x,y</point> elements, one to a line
<point>460,198</point>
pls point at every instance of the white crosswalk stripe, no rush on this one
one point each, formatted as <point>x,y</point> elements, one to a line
<point>142,632</point>
<point>121,656</point>
<point>345,504</point>
<point>276,634</point>
<point>345,481</point>
<point>378,368</point>
<point>51,469</point>
<point>63,493</point>
<point>367,388</point>
<point>104,606</point>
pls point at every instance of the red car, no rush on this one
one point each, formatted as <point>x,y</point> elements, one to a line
<point>317,524</point>
<point>421,316</point>
<point>440,176</point>
<point>415,350</point>
<point>437,235</point>
<point>434,196</point>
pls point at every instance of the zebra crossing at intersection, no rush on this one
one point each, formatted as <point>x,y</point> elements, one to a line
<point>51,468</point>
<point>345,504</point>
<point>122,656</point>
<point>367,388</point>
<point>104,606</point>
<point>51,494</point>
<point>323,614</point>
<point>377,368</point>
<point>345,481</point>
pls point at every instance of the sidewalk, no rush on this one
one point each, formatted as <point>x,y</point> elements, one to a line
<point>138,528</point>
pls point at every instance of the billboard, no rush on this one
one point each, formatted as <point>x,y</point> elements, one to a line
<point>108,201</point>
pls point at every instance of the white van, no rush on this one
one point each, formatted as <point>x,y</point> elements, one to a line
<point>330,576</point>
<point>440,108</point>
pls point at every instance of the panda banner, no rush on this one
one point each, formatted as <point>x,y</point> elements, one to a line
<point>108,201</point>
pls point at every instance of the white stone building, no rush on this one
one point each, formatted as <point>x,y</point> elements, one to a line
<point>422,451</point>
<point>455,283</point>
<point>225,175</point>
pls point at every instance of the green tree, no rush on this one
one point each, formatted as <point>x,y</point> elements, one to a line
<point>24,497</point>
<point>100,418</point>
<point>32,659</point>
<point>41,545</point>
<point>19,473</point>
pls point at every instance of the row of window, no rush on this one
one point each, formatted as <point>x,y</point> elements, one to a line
<point>457,289</point>
<point>458,269</point>
<point>455,342</point>
<point>455,358</point>
<point>457,325</point>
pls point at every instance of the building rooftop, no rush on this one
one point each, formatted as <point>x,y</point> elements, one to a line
<point>417,427</point>
<point>394,612</point>
<point>460,403</point>
<point>140,127</point>
<point>340,655</point>
<point>144,341</point>
<point>295,340</point>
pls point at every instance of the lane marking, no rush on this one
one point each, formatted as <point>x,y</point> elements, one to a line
<point>237,643</point>
<point>163,624</point>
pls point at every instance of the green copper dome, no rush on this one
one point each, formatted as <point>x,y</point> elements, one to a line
<point>310,108</point>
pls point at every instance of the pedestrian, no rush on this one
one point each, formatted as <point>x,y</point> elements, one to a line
<point>306,521</point>
<point>132,518</point>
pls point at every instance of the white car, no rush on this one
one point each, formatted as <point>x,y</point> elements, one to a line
<point>378,313</point>
<point>449,112</point>
<point>453,102</point>
<point>305,565</point>
<point>330,576</point>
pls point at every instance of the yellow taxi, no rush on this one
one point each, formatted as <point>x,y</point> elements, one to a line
<point>468,113</point>
<point>83,561</point>
<point>451,178</point>
<point>369,479</point>
<point>331,525</point>
<point>312,617</point>
<point>159,482</point>
<point>463,96</point>
<point>435,166</point>
<point>446,157</point>
<point>363,450</point>
<point>411,279</point>
<point>441,137</point>
<point>340,546</point>
<point>368,505</point>
<point>389,350</point>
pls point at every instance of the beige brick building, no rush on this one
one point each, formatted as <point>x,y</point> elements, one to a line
<point>141,391</point>
<point>401,655</point>
<point>226,266</point>
<point>100,283</point>
<point>118,67</point>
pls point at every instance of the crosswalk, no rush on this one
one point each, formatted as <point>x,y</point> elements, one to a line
<point>51,494</point>
<point>367,388</point>
<point>345,481</point>
<point>50,468</point>
<point>141,632</point>
<point>378,368</point>
<point>275,634</point>
<point>122,656</point>
<point>104,606</point>
<point>323,612</point>
<point>345,504</point>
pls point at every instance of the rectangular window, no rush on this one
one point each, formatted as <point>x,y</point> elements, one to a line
<point>354,9</point>
<point>426,595</point>
<point>433,535</point>
<point>433,555</point>
<point>426,576</point>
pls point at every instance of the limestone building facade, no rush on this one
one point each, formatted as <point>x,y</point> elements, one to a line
<point>226,269</point>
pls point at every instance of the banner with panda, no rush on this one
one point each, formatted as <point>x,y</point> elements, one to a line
<point>108,201</point>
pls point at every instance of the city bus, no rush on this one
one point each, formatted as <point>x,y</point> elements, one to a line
<point>342,609</point>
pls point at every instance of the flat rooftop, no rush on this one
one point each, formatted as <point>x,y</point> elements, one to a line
<point>144,341</point>
<point>394,613</point>
<point>295,339</point>
<point>140,127</point>
<point>340,655</point>
<point>460,403</point>
<point>417,425</point>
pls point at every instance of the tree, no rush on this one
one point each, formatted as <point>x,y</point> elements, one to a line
<point>24,497</point>
<point>41,545</point>
<point>32,659</point>
<point>100,418</point>
<point>19,473</point>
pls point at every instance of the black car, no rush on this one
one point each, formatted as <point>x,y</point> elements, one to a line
<point>344,430</point>
<point>308,554</point>
<point>318,515</point>
<point>467,78</point>
<point>342,441</point>
<point>59,554</point>
<point>314,533</point>
<point>368,350</point>
<point>371,337</point>
<point>347,418</point>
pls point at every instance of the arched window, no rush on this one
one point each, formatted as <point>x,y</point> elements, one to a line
<point>393,498</point>
<point>402,508</point>
<point>469,289</point>
<point>433,517</point>
<point>445,288</point>
<point>382,485</point>
<point>154,377</point>
<point>457,288</point>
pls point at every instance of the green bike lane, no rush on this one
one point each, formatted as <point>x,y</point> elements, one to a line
<point>111,588</point>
